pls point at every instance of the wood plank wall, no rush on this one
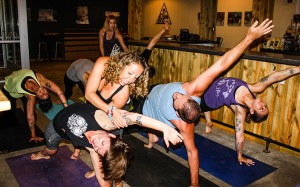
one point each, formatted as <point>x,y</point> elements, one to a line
<point>283,100</point>
<point>81,44</point>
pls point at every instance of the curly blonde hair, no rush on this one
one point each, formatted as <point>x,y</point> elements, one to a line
<point>116,64</point>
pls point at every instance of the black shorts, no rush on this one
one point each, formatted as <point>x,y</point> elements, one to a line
<point>203,106</point>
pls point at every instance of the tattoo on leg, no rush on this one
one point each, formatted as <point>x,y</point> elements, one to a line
<point>292,71</point>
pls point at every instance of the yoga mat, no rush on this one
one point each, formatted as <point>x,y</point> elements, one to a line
<point>151,168</point>
<point>221,162</point>
<point>54,110</point>
<point>15,133</point>
<point>58,171</point>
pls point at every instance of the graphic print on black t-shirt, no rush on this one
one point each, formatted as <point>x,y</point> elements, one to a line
<point>77,125</point>
<point>115,50</point>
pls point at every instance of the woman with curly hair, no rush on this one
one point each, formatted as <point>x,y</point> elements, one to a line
<point>112,81</point>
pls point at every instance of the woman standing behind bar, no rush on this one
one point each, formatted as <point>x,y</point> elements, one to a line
<point>110,39</point>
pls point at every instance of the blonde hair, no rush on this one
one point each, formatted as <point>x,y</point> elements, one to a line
<point>116,64</point>
<point>106,22</point>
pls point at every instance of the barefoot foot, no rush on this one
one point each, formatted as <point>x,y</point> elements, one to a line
<point>208,128</point>
<point>90,174</point>
<point>39,156</point>
<point>74,157</point>
<point>152,140</point>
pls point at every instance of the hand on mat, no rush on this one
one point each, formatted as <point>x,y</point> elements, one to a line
<point>36,139</point>
<point>118,119</point>
<point>248,162</point>
<point>172,135</point>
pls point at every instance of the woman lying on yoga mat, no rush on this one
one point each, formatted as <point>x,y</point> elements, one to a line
<point>85,125</point>
<point>29,85</point>
<point>242,98</point>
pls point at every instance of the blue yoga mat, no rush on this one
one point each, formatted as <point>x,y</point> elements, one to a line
<point>54,110</point>
<point>221,162</point>
<point>58,171</point>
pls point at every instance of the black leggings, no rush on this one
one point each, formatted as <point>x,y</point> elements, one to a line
<point>69,84</point>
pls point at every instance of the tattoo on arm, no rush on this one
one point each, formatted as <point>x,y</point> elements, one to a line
<point>237,124</point>
<point>138,120</point>
<point>109,126</point>
<point>292,71</point>
<point>264,79</point>
<point>48,85</point>
<point>239,147</point>
<point>127,119</point>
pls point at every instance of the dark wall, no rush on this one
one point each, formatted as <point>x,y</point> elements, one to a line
<point>66,18</point>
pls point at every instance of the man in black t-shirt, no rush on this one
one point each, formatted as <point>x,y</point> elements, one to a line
<point>85,125</point>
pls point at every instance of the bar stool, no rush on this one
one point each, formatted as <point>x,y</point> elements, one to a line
<point>43,51</point>
<point>219,41</point>
<point>59,51</point>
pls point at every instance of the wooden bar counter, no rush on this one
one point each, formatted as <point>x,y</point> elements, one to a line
<point>180,62</point>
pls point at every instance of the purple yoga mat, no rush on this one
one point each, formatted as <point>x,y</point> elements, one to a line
<point>58,171</point>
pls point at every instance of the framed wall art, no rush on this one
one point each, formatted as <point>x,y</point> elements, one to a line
<point>49,15</point>
<point>247,18</point>
<point>108,13</point>
<point>220,18</point>
<point>234,18</point>
<point>82,15</point>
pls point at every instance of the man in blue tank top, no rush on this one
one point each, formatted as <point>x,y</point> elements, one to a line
<point>177,104</point>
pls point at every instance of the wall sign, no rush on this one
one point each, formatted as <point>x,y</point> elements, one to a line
<point>163,16</point>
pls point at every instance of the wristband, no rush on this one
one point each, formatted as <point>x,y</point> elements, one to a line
<point>110,112</point>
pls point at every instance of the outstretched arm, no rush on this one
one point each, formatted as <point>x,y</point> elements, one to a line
<point>170,134</point>
<point>239,122</point>
<point>50,85</point>
<point>30,107</point>
<point>157,37</point>
<point>274,77</point>
<point>198,86</point>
